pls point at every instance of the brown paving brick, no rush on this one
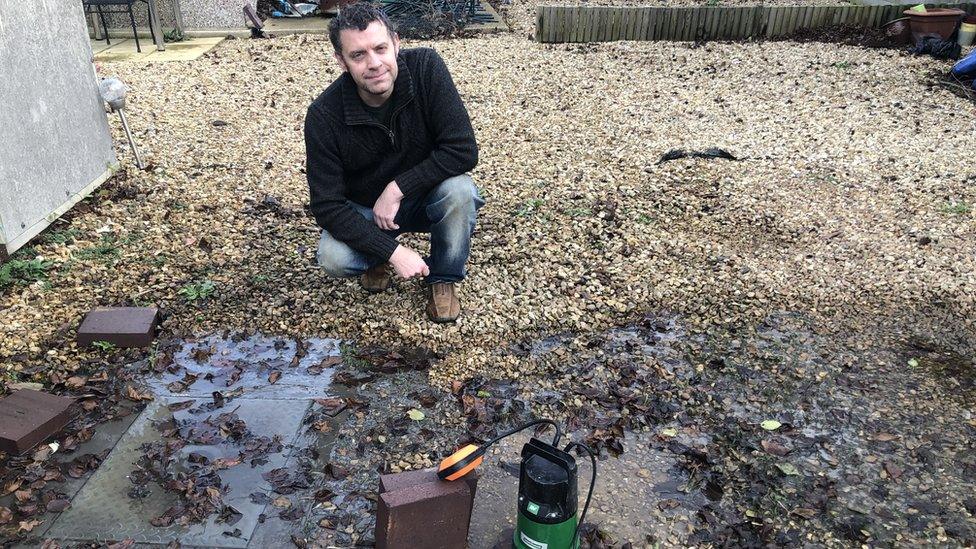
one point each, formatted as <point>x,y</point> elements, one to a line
<point>423,515</point>
<point>121,326</point>
<point>28,417</point>
<point>397,481</point>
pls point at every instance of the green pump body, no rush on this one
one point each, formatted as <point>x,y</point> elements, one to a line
<point>547,499</point>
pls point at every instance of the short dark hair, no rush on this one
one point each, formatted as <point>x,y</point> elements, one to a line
<point>357,16</point>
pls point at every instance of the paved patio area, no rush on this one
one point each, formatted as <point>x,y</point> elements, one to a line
<point>125,49</point>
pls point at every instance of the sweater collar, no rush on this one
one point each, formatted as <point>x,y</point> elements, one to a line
<point>352,104</point>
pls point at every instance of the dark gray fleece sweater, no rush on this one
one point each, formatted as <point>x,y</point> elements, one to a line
<point>351,156</point>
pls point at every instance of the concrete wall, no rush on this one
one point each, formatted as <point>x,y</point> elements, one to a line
<point>197,14</point>
<point>55,143</point>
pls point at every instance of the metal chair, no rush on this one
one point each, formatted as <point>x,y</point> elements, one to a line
<point>125,7</point>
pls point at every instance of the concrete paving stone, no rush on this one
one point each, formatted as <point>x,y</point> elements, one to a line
<point>188,50</point>
<point>98,45</point>
<point>102,510</point>
<point>125,50</point>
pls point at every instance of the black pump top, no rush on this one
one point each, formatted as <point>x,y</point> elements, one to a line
<point>547,483</point>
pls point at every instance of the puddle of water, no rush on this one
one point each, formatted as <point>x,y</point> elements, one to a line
<point>199,367</point>
<point>952,368</point>
<point>279,424</point>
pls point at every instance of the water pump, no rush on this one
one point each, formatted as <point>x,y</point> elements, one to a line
<point>547,496</point>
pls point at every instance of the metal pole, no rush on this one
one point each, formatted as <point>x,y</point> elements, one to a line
<point>132,143</point>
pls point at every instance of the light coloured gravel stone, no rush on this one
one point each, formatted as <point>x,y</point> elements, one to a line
<point>850,161</point>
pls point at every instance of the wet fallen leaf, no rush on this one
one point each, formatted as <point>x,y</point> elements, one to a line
<point>893,470</point>
<point>260,498</point>
<point>331,406</point>
<point>788,469</point>
<point>28,525</point>
<point>99,377</point>
<point>291,514</point>
<point>58,505</point>
<point>416,414</point>
<point>669,432</point>
<point>884,437</point>
<point>42,453</point>
<point>804,512</point>
<point>226,463</point>
<point>770,425</point>
<point>137,395</point>
<point>23,495</point>
<point>6,515</point>
<point>75,382</point>
<point>127,543</point>
<point>666,504</point>
<point>322,426</point>
<point>182,405</point>
<point>281,502</point>
<point>12,486</point>
<point>775,448</point>
<point>274,377</point>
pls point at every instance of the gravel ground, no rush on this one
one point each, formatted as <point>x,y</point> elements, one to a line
<point>852,202</point>
<point>853,197</point>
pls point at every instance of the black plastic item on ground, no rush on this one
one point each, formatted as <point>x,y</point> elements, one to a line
<point>712,152</point>
<point>938,48</point>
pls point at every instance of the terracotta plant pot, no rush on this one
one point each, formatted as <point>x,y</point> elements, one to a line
<point>940,22</point>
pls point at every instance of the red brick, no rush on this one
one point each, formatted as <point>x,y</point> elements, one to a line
<point>397,481</point>
<point>121,326</point>
<point>28,417</point>
<point>423,515</point>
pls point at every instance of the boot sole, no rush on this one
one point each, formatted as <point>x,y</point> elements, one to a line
<point>443,320</point>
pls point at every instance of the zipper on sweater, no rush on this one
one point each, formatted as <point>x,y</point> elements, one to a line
<point>389,131</point>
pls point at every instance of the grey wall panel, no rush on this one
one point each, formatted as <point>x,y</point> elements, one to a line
<point>55,143</point>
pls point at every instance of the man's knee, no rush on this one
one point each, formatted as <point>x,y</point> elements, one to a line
<point>335,258</point>
<point>459,192</point>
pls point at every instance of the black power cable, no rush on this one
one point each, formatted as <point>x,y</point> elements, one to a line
<point>555,439</point>
<point>589,493</point>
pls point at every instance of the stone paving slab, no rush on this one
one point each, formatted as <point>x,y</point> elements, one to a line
<point>102,510</point>
<point>125,50</point>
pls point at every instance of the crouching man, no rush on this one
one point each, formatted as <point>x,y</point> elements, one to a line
<point>388,147</point>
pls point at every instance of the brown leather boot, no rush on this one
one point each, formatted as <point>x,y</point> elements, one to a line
<point>443,305</point>
<point>376,280</point>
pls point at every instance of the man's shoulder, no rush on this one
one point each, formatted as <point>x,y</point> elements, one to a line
<point>419,57</point>
<point>329,102</point>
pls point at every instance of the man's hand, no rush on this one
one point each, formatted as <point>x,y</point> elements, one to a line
<point>408,263</point>
<point>386,207</point>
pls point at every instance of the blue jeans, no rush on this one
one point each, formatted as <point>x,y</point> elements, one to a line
<point>448,213</point>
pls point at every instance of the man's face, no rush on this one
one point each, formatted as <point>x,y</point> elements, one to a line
<point>370,57</point>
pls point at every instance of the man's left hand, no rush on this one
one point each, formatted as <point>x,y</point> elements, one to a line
<point>387,206</point>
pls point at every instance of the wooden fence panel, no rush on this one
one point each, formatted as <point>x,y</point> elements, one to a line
<point>687,23</point>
